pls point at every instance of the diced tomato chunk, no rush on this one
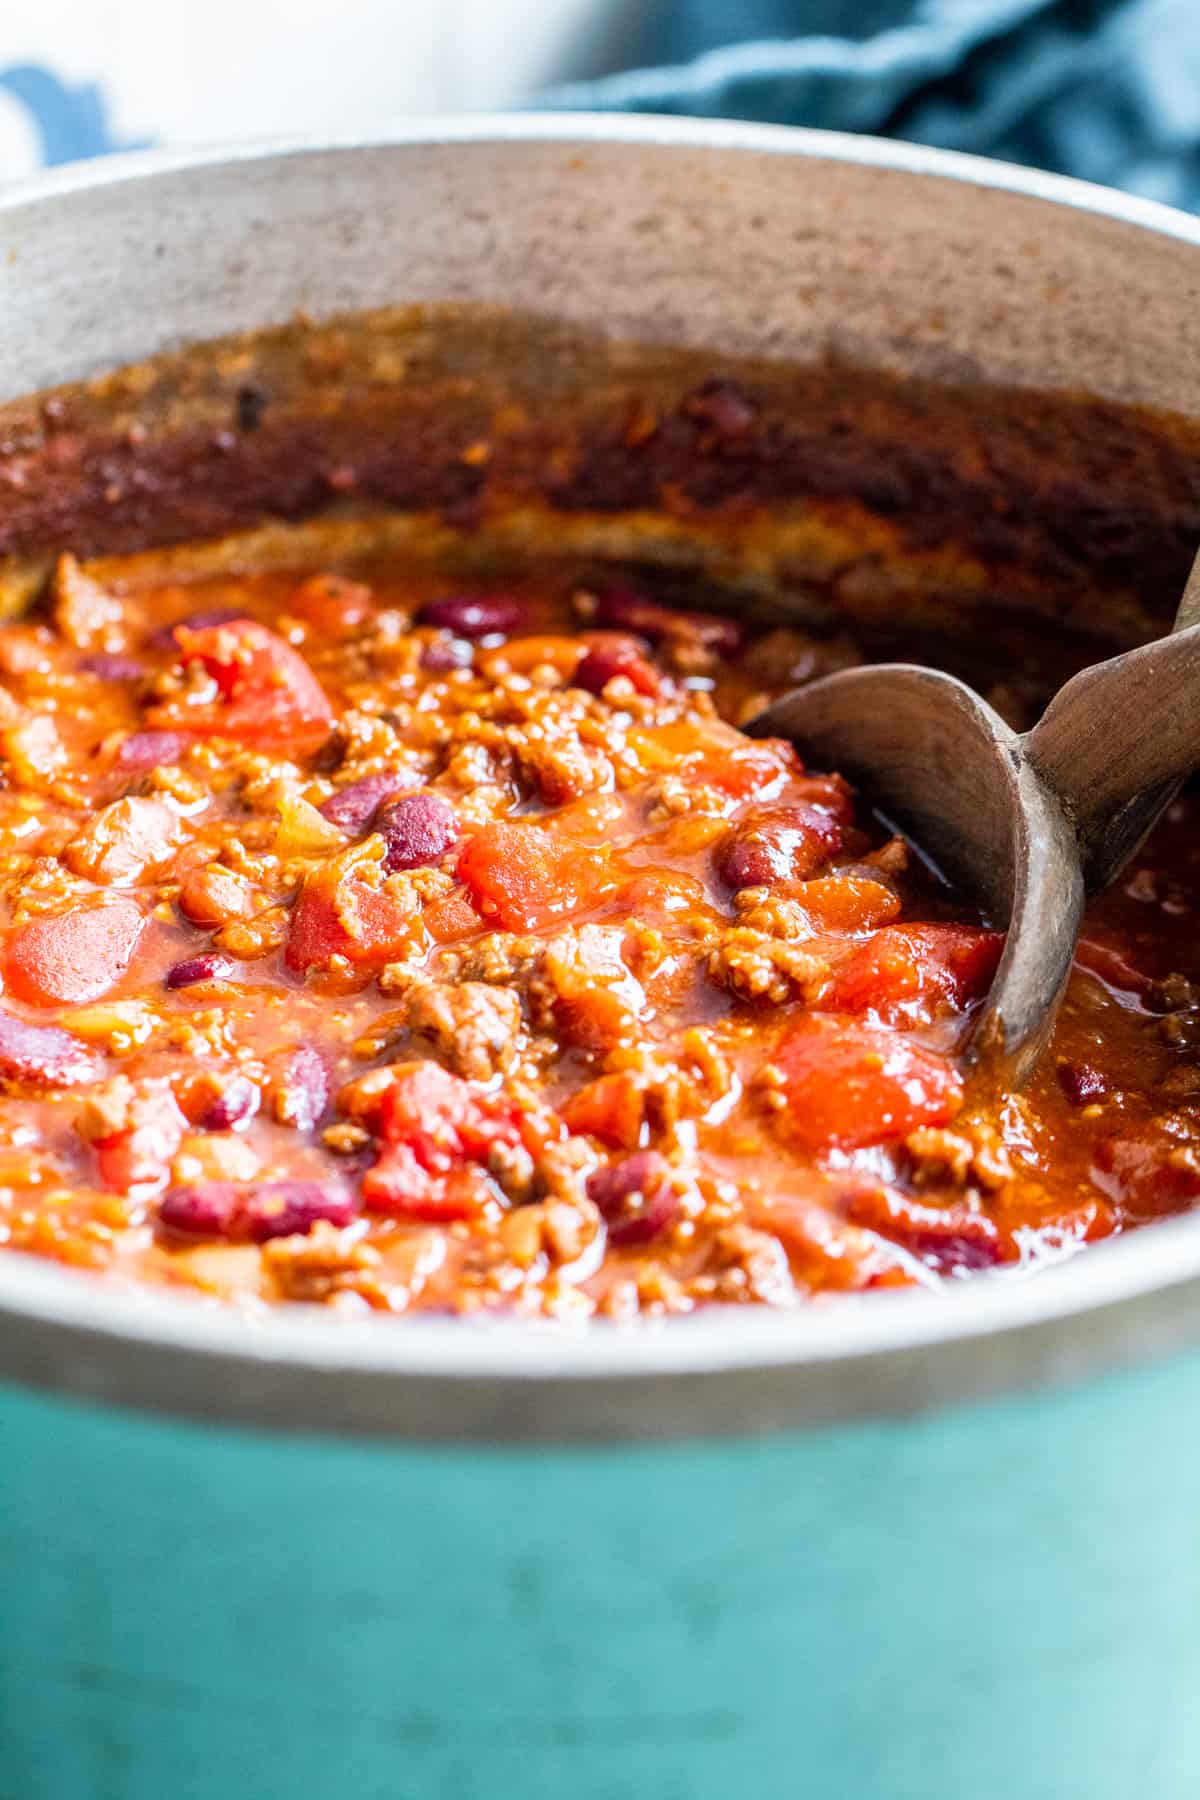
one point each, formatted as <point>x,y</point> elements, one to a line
<point>363,924</point>
<point>399,1185</point>
<point>718,757</point>
<point>333,604</point>
<point>659,896</point>
<point>442,1116</point>
<point>1151,1173</point>
<point>437,1132</point>
<point>345,910</point>
<point>749,770</point>
<point>451,917</point>
<point>915,970</point>
<point>137,1159</point>
<point>315,934</point>
<point>849,1085</point>
<point>269,695</point>
<point>67,959</point>
<point>844,902</point>
<point>524,877</point>
<point>610,1109</point>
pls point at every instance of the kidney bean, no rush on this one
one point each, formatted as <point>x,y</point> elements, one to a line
<point>627,611</point>
<point>207,967</point>
<point>1081,1083</point>
<point>635,1196</point>
<point>418,830</point>
<point>353,807</point>
<point>302,1088</point>
<point>256,1210</point>
<point>238,1100</point>
<point>151,749</point>
<point>205,1209</point>
<point>44,1055</point>
<point>956,1250</point>
<point>283,1208</point>
<point>605,662</point>
<point>474,615</point>
<point>743,863</point>
<point>777,844</point>
<point>946,1237</point>
<point>112,668</point>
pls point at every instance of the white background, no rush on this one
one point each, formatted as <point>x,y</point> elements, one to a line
<point>206,71</point>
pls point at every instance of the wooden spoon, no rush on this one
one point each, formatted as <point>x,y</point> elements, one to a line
<point>1031,824</point>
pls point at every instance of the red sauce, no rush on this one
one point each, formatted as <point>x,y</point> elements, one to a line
<point>379,945</point>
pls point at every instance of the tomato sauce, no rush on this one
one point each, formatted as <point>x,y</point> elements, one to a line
<point>374,943</point>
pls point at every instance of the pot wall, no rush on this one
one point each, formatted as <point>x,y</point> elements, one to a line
<point>745,240</point>
<point>989,1602</point>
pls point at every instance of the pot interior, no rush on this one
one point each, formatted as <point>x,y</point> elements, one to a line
<point>957,522</point>
<point>716,373</point>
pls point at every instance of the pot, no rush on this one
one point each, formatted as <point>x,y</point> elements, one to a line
<point>897,1548</point>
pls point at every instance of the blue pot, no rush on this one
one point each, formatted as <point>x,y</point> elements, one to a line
<point>990,1601</point>
<point>910,1548</point>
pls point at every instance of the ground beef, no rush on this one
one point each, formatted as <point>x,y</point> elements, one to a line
<point>475,1029</point>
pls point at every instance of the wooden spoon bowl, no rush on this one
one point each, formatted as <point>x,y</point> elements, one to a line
<point>1028,825</point>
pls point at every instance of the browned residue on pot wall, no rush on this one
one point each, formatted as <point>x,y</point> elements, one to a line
<point>832,490</point>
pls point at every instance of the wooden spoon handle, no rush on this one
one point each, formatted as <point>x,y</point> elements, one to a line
<point>1116,741</point>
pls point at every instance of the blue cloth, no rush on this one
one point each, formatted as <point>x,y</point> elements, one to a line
<point>70,122</point>
<point>1104,89</point>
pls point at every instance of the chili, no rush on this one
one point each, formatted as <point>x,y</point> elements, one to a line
<point>380,944</point>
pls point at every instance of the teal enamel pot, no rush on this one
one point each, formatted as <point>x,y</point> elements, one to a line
<point>931,1547</point>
